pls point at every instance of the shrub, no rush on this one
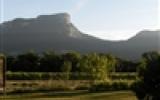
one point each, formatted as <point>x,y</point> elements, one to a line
<point>121,75</point>
<point>82,87</point>
<point>110,86</point>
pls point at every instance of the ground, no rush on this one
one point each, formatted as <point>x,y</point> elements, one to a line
<point>79,95</point>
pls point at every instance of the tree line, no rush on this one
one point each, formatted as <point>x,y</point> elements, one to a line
<point>147,86</point>
<point>71,61</point>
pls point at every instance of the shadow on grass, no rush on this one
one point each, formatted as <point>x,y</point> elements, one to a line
<point>44,94</point>
<point>27,95</point>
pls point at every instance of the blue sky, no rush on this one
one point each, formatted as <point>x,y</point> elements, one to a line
<point>107,19</point>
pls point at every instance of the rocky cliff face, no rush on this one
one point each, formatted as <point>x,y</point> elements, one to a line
<point>56,32</point>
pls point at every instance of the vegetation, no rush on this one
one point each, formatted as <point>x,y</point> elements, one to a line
<point>74,95</point>
<point>111,86</point>
<point>103,72</point>
<point>123,76</point>
<point>148,86</point>
<point>95,65</point>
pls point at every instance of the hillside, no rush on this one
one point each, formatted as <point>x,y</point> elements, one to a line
<point>57,32</point>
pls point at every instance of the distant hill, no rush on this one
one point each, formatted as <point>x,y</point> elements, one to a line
<point>56,32</point>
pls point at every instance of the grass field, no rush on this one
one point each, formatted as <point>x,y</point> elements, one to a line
<point>39,89</point>
<point>78,95</point>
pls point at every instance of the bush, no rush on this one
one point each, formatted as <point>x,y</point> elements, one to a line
<point>110,86</point>
<point>58,76</point>
<point>82,87</point>
<point>23,76</point>
<point>100,87</point>
<point>148,86</point>
<point>122,76</point>
<point>139,89</point>
<point>35,76</point>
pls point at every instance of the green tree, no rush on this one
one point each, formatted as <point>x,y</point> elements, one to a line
<point>73,57</point>
<point>66,69</point>
<point>26,62</point>
<point>10,63</point>
<point>50,62</point>
<point>111,62</point>
<point>148,87</point>
<point>94,65</point>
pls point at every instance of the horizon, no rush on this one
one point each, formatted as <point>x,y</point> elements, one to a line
<point>126,25</point>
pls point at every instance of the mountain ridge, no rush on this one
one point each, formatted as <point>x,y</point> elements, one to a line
<point>57,32</point>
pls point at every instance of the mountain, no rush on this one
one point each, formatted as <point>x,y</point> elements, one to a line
<point>144,41</point>
<point>56,32</point>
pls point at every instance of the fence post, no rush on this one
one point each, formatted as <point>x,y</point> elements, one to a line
<point>3,73</point>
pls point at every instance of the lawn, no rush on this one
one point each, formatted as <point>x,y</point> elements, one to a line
<point>78,95</point>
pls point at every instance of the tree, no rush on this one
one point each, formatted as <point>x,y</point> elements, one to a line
<point>73,58</point>
<point>148,87</point>
<point>66,69</point>
<point>26,62</point>
<point>94,65</point>
<point>126,66</point>
<point>10,63</point>
<point>111,62</point>
<point>50,62</point>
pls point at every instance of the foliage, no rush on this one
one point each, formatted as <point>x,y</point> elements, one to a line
<point>94,65</point>
<point>72,57</point>
<point>62,75</point>
<point>123,76</point>
<point>36,76</point>
<point>23,62</point>
<point>66,68</point>
<point>97,66</point>
<point>148,86</point>
<point>110,86</point>
<point>125,66</point>
<point>50,62</point>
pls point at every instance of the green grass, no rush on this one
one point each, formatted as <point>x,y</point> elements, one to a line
<point>60,75</point>
<point>74,95</point>
<point>13,85</point>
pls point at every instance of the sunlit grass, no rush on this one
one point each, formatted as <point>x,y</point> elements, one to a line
<point>79,95</point>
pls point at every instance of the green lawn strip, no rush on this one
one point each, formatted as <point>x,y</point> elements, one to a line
<point>76,95</point>
<point>120,95</point>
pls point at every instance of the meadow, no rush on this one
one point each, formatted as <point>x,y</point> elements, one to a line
<point>26,87</point>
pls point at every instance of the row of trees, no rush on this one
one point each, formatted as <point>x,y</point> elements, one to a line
<point>97,65</point>
<point>73,61</point>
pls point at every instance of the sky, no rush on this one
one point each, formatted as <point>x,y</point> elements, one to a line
<point>106,19</point>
